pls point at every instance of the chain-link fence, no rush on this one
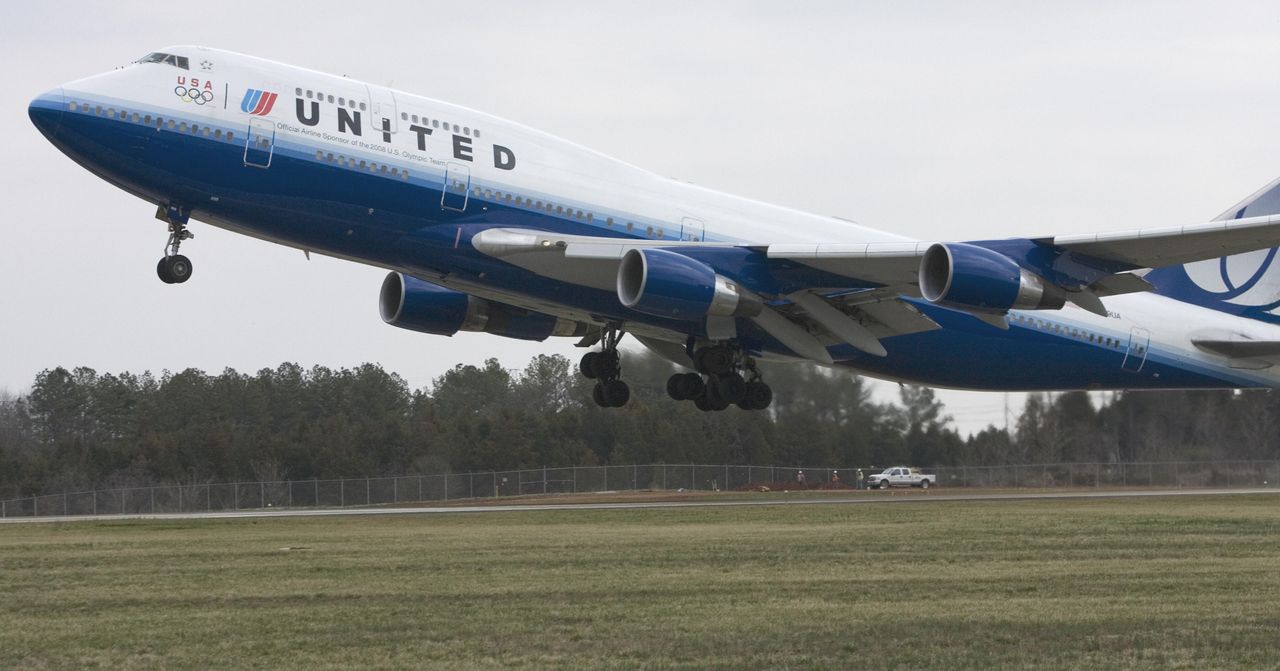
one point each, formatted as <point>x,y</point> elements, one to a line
<point>585,479</point>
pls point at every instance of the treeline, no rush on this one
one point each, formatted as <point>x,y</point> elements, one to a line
<point>78,429</point>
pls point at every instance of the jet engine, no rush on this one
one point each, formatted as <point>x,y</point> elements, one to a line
<point>976,278</point>
<point>410,303</point>
<point>666,284</point>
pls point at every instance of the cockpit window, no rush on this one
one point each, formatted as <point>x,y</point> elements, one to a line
<point>167,59</point>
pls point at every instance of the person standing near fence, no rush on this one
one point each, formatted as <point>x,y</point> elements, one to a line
<point>859,483</point>
<point>835,477</point>
<point>800,478</point>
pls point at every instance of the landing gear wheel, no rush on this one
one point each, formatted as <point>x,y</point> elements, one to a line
<point>587,366</point>
<point>757,397</point>
<point>605,365</point>
<point>730,387</point>
<point>597,395</point>
<point>616,393</point>
<point>162,270</point>
<point>174,269</point>
<point>684,386</point>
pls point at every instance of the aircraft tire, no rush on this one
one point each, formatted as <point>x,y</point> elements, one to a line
<point>162,270</point>
<point>605,365</point>
<point>616,393</point>
<point>597,395</point>
<point>730,387</point>
<point>178,268</point>
<point>587,366</point>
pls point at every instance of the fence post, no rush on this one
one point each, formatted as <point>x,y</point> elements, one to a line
<point>446,485</point>
<point>446,489</point>
<point>693,478</point>
<point>153,501</point>
<point>289,484</point>
<point>366,491</point>
<point>544,479</point>
<point>395,488</point>
<point>262,494</point>
<point>35,506</point>
<point>342,493</point>
<point>1097,475</point>
<point>519,483</point>
<point>208,497</point>
<point>95,499</point>
<point>635,477</point>
<point>235,494</point>
<point>725,486</point>
<point>575,479</point>
<point>471,485</point>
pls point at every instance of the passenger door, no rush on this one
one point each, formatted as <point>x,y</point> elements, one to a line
<point>456,188</point>
<point>259,143</point>
<point>1136,354</point>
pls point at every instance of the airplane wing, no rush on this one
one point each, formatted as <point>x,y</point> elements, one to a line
<point>858,299</point>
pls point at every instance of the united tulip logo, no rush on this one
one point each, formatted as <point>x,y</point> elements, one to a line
<point>258,102</point>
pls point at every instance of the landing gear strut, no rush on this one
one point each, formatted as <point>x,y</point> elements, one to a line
<point>174,268</point>
<point>720,381</point>
<point>605,367</point>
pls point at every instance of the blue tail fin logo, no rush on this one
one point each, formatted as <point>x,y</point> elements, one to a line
<point>1245,284</point>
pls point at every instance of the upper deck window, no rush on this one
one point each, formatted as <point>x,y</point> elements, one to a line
<point>167,59</point>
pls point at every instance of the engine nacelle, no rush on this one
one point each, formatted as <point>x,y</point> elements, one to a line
<point>413,304</point>
<point>666,284</point>
<point>977,278</point>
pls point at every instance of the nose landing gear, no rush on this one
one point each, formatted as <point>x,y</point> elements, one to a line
<point>173,267</point>
<point>720,381</point>
<point>605,367</point>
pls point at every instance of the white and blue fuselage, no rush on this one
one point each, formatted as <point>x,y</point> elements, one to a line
<point>356,171</point>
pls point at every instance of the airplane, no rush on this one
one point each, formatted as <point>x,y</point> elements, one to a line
<point>488,225</point>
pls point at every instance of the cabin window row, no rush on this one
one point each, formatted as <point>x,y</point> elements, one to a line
<point>561,211</point>
<point>1068,332</point>
<point>340,101</point>
<point>159,122</point>
<point>361,164</point>
<point>436,123</point>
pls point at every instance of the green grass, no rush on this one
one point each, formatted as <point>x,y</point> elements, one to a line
<point>1149,583</point>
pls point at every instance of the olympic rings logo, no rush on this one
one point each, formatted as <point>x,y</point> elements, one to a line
<point>193,95</point>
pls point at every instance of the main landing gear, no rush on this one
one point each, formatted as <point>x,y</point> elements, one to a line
<point>605,367</point>
<point>720,381</point>
<point>174,268</point>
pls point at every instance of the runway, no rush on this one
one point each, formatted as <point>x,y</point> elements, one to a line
<point>876,498</point>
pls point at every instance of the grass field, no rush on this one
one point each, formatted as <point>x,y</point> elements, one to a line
<point>1189,582</point>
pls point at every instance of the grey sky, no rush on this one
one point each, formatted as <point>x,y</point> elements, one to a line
<point>936,120</point>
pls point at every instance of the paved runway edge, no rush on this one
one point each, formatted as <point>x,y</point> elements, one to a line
<point>443,510</point>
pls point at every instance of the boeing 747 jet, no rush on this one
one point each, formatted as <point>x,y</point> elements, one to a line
<point>488,225</point>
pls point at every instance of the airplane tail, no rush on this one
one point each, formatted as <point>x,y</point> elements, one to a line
<point>1247,285</point>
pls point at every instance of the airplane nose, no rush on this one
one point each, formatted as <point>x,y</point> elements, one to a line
<point>46,111</point>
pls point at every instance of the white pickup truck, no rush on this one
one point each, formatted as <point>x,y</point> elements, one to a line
<point>901,476</point>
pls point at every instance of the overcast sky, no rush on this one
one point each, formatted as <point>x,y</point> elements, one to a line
<point>935,120</point>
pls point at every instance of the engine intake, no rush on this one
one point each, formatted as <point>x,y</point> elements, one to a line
<point>977,278</point>
<point>666,284</point>
<point>410,303</point>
